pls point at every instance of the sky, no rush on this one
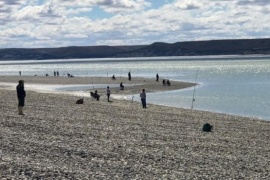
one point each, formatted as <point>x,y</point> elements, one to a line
<point>60,23</point>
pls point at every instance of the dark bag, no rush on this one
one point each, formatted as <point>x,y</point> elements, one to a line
<point>207,127</point>
<point>80,101</point>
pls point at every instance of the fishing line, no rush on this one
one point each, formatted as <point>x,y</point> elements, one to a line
<point>193,97</point>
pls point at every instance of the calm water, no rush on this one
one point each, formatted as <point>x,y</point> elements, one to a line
<point>229,85</point>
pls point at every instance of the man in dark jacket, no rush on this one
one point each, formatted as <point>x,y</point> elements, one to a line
<point>129,76</point>
<point>143,98</point>
<point>21,96</point>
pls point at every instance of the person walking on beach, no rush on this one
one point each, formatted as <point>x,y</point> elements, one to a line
<point>143,98</point>
<point>157,77</point>
<point>108,93</point>
<point>21,96</point>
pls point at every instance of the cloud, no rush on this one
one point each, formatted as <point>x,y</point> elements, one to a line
<point>12,2</point>
<point>188,4</point>
<point>116,6</point>
<point>54,23</point>
<point>112,6</point>
<point>254,2</point>
<point>34,12</point>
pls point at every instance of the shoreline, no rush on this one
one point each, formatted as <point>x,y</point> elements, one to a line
<point>52,84</point>
<point>58,139</point>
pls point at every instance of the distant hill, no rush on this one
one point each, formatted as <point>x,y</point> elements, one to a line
<point>192,48</point>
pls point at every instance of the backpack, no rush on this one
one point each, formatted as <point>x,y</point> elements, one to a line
<point>80,101</point>
<point>207,127</point>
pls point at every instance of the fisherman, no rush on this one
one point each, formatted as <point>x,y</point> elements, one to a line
<point>108,93</point>
<point>21,96</point>
<point>143,98</point>
<point>129,76</point>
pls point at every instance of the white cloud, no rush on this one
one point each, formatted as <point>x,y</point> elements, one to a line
<point>188,4</point>
<point>112,6</point>
<point>118,6</point>
<point>68,22</point>
<point>76,11</point>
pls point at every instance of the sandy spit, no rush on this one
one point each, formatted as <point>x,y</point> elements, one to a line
<point>58,139</point>
<point>137,83</point>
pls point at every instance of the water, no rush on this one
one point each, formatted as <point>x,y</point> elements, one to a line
<point>231,85</point>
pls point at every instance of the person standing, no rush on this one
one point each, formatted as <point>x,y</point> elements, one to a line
<point>129,76</point>
<point>157,77</point>
<point>108,93</point>
<point>143,98</point>
<point>21,96</point>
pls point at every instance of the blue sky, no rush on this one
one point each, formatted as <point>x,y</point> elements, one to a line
<point>57,23</point>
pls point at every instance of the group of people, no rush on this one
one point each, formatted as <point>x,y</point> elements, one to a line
<point>21,92</point>
<point>56,73</point>
<point>166,82</point>
<point>69,75</point>
<point>97,96</point>
<point>129,76</point>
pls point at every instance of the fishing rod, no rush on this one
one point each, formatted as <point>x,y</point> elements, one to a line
<point>121,74</point>
<point>193,99</point>
<point>93,83</point>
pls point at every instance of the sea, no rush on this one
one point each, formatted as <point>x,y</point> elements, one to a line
<point>236,85</point>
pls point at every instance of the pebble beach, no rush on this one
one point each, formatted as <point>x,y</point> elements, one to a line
<point>59,139</point>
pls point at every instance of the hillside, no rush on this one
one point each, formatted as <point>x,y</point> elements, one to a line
<point>192,48</point>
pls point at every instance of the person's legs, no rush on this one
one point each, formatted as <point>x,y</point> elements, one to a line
<point>108,97</point>
<point>144,103</point>
<point>19,109</point>
<point>20,106</point>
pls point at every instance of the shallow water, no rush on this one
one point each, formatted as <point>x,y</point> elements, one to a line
<point>232,85</point>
